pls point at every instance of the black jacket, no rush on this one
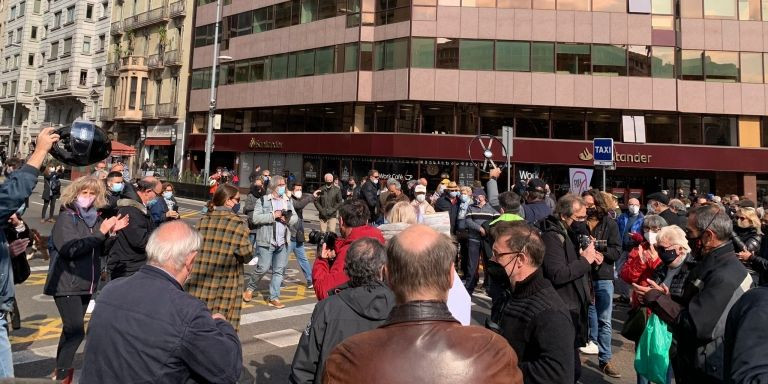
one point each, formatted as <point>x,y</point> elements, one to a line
<point>349,312</point>
<point>444,204</point>
<point>607,230</point>
<point>746,342</point>
<point>536,212</point>
<point>538,327</point>
<point>74,265</point>
<point>297,234</point>
<point>48,192</point>
<point>673,219</point>
<point>369,192</point>
<point>146,329</point>
<point>568,272</point>
<point>127,250</point>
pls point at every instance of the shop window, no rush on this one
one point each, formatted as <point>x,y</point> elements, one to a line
<point>692,9</point>
<point>663,62</point>
<point>662,7</point>
<point>305,63</point>
<point>720,9</point>
<point>568,124</point>
<point>542,57</point>
<point>513,56</point>
<point>603,124</point>
<point>573,5</point>
<point>532,122</point>
<point>385,117</point>
<point>520,4</point>
<point>749,9</point>
<point>573,58</point>
<point>437,118</point>
<point>691,64</point>
<point>720,130</point>
<point>422,52</point>
<point>639,60</point>
<point>609,60</point>
<point>324,60</point>
<point>751,67</point>
<point>447,53</point>
<point>662,129</point>
<point>494,117</point>
<point>690,129</point>
<point>721,66</point>
<point>279,67</point>
<point>351,53</point>
<point>476,54</point>
<point>609,5</point>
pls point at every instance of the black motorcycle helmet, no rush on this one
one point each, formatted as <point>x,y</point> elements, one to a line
<point>82,143</point>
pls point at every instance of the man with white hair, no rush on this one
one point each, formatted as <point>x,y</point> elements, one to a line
<point>327,201</point>
<point>147,329</point>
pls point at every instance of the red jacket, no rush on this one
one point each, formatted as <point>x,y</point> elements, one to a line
<point>326,276</point>
<point>636,271</point>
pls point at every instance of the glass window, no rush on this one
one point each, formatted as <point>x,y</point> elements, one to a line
<point>573,58</point>
<point>132,99</point>
<point>283,15</point>
<point>542,57</point>
<point>573,5</point>
<point>765,9</point>
<point>308,11</point>
<point>476,54</point>
<point>326,9</point>
<point>366,56</point>
<point>279,67</point>
<point>765,66</point>
<point>663,23</point>
<point>259,69</point>
<point>532,122</point>
<point>662,129</point>
<point>494,117</point>
<point>447,53</point>
<point>662,7</point>
<point>422,52</point>
<point>751,67</point>
<point>604,124</point>
<point>292,58</point>
<point>305,63</point>
<point>749,9</point>
<point>350,57</point>
<point>262,19</point>
<point>721,66</point>
<point>663,62</point>
<point>609,5</point>
<point>639,60</point>
<point>690,128</point>
<point>568,124</point>
<point>720,130</point>
<point>513,56</point>
<point>87,44</point>
<point>609,60</point>
<point>720,9</point>
<point>378,55</point>
<point>244,25</point>
<point>691,9</point>
<point>691,64</point>
<point>437,118</point>
<point>526,4</point>
<point>324,60</point>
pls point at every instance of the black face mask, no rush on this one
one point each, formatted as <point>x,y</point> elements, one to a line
<point>592,212</point>
<point>257,191</point>
<point>666,256</point>
<point>696,243</point>
<point>498,273</point>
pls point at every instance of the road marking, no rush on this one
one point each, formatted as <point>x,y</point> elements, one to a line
<point>35,354</point>
<point>43,298</point>
<point>36,279</point>
<point>258,317</point>
<point>281,339</point>
<point>39,268</point>
<point>48,328</point>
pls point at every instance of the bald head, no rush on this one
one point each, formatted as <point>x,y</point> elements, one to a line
<point>423,181</point>
<point>148,188</point>
<point>172,247</point>
<point>420,264</point>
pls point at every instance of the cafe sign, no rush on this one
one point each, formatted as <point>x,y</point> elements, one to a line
<point>626,158</point>
<point>264,144</point>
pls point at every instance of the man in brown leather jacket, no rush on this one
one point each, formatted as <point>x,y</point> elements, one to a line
<point>421,342</point>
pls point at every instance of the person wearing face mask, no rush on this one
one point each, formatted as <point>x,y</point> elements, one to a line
<point>327,201</point>
<point>51,192</point>
<point>658,204</point>
<point>643,260</point>
<point>533,318</point>
<point>217,274</point>
<point>629,222</point>
<point>449,202</point>
<point>273,214</point>
<point>567,266</point>
<point>478,214</point>
<point>117,188</point>
<point>369,192</point>
<point>749,231</point>
<point>300,201</point>
<point>266,178</point>
<point>164,207</point>
<point>78,238</point>
<point>695,303</point>
<point>420,202</point>
<point>351,189</point>
<point>139,317</point>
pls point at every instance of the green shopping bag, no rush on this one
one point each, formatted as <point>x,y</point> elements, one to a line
<point>652,356</point>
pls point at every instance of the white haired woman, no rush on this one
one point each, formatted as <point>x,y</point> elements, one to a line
<point>748,244</point>
<point>78,239</point>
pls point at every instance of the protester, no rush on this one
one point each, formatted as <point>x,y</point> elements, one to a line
<point>351,189</point>
<point>420,201</point>
<point>78,241</point>
<point>461,232</point>
<point>421,342</point>
<point>535,209</point>
<point>361,304</point>
<point>748,240</point>
<point>658,204</point>
<point>147,329</point>
<point>643,260</point>
<point>328,270</point>
<point>273,214</point>
<point>100,170</point>
<point>629,222</point>
<point>370,194</point>
<point>300,201</point>
<point>395,194</point>
<point>126,250</point>
<point>478,214</point>
<point>533,318</point>
<point>327,201</point>
<point>164,207</point>
<point>449,202</point>
<point>249,203</point>
<point>51,192</point>
<point>509,205</point>
<point>699,297</point>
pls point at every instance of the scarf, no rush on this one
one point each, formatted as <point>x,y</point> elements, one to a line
<point>89,215</point>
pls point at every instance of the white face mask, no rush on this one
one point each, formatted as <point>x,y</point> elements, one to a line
<point>651,237</point>
<point>297,194</point>
<point>634,209</point>
<point>420,198</point>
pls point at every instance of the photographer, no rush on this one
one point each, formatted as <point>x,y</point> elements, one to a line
<point>328,271</point>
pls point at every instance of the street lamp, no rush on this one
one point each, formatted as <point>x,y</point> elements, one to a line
<point>15,99</point>
<point>212,106</point>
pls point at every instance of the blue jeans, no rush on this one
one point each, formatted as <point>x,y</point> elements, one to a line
<point>600,329</point>
<point>474,250</point>
<point>252,238</point>
<point>6,356</point>
<point>301,258</point>
<point>270,257</point>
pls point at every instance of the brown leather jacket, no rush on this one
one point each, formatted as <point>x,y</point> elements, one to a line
<point>422,343</point>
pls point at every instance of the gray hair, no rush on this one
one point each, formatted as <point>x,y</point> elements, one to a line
<point>714,218</point>
<point>673,235</point>
<point>565,205</point>
<point>392,181</point>
<point>171,243</point>
<point>365,258</point>
<point>677,205</point>
<point>657,221</point>
<point>274,182</point>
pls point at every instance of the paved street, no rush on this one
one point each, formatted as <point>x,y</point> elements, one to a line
<point>268,336</point>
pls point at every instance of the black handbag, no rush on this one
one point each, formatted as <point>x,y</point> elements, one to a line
<point>634,326</point>
<point>20,267</point>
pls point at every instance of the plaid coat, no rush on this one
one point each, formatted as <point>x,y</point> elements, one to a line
<point>217,275</point>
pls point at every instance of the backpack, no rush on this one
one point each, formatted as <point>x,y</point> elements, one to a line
<point>54,184</point>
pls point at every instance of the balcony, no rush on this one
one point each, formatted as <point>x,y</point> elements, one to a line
<point>116,28</point>
<point>146,18</point>
<point>107,114</point>
<point>155,61</point>
<point>133,63</point>
<point>166,110</point>
<point>176,9</point>
<point>148,112</point>
<point>112,69</point>
<point>172,58</point>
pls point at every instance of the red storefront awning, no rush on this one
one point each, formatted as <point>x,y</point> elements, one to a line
<point>157,142</point>
<point>120,149</point>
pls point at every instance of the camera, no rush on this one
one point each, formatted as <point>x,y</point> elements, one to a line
<point>287,213</point>
<point>320,238</point>
<point>600,245</point>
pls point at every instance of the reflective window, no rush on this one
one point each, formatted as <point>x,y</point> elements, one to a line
<point>609,5</point>
<point>691,9</point>
<point>603,124</point>
<point>437,118</point>
<point>751,67</point>
<point>690,129</point>
<point>573,5</point>
<point>494,117</point>
<point>279,67</point>
<point>720,9</point>
<point>263,20</point>
<point>259,69</point>
<point>765,9</point>
<point>479,3</point>
<point>366,56</point>
<point>308,11</point>
<point>662,129</point>
<point>749,9</point>
<point>476,54</point>
<point>447,53</point>
<point>691,67</point>
<point>663,62</point>
<point>721,66</point>
<point>327,9</point>
<point>542,57</point>
<point>532,122</point>
<point>513,56</point>
<point>350,57</point>
<point>573,58</point>
<point>639,60</point>
<point>609,60</point>
<point>662,7</point>
<point>242,72</point>
<point>391,54</point>
<point>719,130</point>
<point>305,63</point>
<point>663,23</point>
<point>568,124</point>
<point>423,52</point>
<point>324,60</point>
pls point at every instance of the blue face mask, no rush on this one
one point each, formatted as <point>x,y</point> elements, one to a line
<point>167,195</point>
<point>280,191</point>
<point>454,194</point>
<point>236,208</point>
<point>117,187</point>
<point>152,202</point>
<point>465,198</point>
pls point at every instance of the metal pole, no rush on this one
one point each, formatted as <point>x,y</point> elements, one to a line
<point>508,144</point>
<point>13,122</point>
<point>604,179</point>
<point>212,107</point>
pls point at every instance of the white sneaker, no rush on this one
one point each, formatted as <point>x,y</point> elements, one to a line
<point>91,306</point>
<point>254,261</point>
<point>590,348</point>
